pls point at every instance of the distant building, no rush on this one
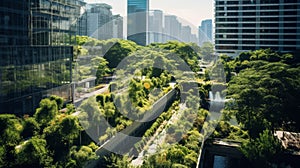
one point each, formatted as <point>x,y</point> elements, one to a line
<point>172,28</point>
<point>137,21</point>
<point>257,24</point>
<point>155,26</point>
<point>117,27</point>
<point>99,24</point>
<point>205,31</point>
<point>186,33</point>
<point>194,39</point>
<point>36,52</point>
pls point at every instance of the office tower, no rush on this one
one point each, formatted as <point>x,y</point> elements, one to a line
<point>117,28</point>
<point>36,52</point>
<point>81,23</point>
<point>172,28</point>
<point>137,21</point>
<point>205,31</point>
<point>194,39</point>
<point>243,25</point>
<point>186,33</point>
<point>155,26</point>
<point>99,24</point>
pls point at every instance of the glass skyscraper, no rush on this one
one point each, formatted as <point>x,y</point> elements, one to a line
<point>205,31</point>
<point>242,25</point>
<point>137,21</point>
<point>36,53</point>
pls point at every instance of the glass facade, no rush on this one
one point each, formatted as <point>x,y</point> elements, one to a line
<point>205,31</point>
<point>137,21</point>
<point>138,6</point>
<point>36,52</point>
<point>242,25</point>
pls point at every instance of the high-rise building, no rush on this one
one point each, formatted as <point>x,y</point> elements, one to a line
<point>99,23</point>
<point>137,21</point>
<point>155,26</point>
<point>172,28</point>
<point>205,31</point>
<point>186,33</point>
<point>117,27</point>
<point>81,23</point>
<point>243,25</point>
<point>36,52</point>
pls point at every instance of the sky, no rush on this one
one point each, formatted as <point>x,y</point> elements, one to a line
<point>192,11</point>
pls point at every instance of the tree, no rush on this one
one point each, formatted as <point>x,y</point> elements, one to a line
<point>10,136</point>
<point>31,128</point>
<point>207,50</point>
<point>59,101</point>
<point>101,69</point>
<point>118,52</point>
<point>33,153</point>
<point>46,112</point>
<point>2,156</point>
<point>11,128</point>
<point>79,157</point>
<point>263,149</point>
<point>264,96</point>
<point>61,135</point>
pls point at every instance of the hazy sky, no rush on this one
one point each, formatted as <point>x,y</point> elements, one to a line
<point>193,11</point>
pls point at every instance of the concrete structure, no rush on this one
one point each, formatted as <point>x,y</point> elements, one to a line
<point>242,25</point>
<point>36,52</point>
<point>205,31</point>
<point>137,21</point>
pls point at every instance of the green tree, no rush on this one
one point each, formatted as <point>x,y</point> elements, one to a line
<point>118,52</point>
<point>31,127</point>
<point>264,96</point>
<point>101,70</point>
<point>59,101</point>
<point>10,136</point>
<point>80,156</point>
<point>11,128</point>
<point>262,150</point>
<point>46,112</point>
<point>60,136</point>
<point>207,50</point>
<point>33,153</point>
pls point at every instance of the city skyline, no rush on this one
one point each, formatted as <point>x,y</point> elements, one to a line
<point>192,11</point>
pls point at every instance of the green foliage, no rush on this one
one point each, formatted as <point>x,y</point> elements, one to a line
<point>10,136</point>
<point>263,96</point>
<point>185,51</point>
<point>33,153</point>
<point>2,156</point>
<point>11,128</point>
<point>118,52</point>
<point>62,133</point>
<point>31,128</point>
<point>207,50</point>
<point>157,161</point>
<point>79,157</point>
<point>118,161</point>
<point>263,149</point>
<point>59,101</point>
<point>46,112</point>
<point>102,69</point>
